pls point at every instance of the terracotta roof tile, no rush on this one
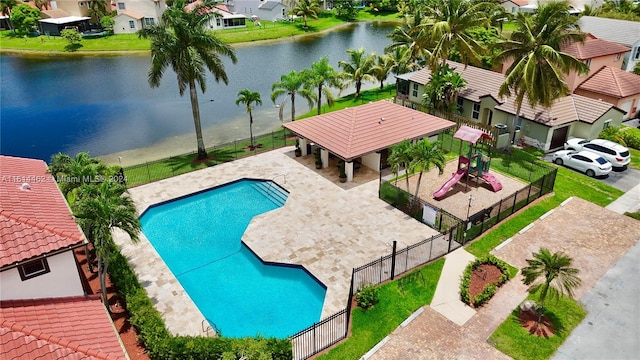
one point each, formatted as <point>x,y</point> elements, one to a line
<point>517,2</point>
<point>593,48</point>
<point>69,328</point>
<point>33,221</point>
<point>357,131</point>
<point>613,82</point>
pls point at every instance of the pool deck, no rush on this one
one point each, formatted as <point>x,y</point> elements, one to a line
<point>325,226</point>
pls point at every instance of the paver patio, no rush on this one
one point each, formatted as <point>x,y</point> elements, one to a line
<point>595,237</point>
<point>324,227</point>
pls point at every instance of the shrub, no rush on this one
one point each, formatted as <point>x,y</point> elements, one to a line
<point>367,296</point>
<point>490,289</point>
<point>631,138</point>
<point>159,344</point>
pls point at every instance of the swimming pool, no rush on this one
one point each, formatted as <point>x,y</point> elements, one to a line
<point>199,238</point>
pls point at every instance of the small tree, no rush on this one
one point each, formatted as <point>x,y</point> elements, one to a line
<point>424,155</point>
<point>636,68</point>
<point>558,277</point>
<point>443,88</point>
<point>307,8</point>
<point>107,23</point>
<point>74,39</point>
<point>249,99</point>
<point>24,18</point>
<point>346,9</point>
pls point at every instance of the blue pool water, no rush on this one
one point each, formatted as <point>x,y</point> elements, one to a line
<point>198,237</point>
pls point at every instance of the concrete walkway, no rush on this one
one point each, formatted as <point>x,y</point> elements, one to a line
<point>629,201</point>
<point>446,299</point>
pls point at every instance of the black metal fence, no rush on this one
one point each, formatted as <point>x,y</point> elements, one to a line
<point>333,329</point>
<point>181,164</point>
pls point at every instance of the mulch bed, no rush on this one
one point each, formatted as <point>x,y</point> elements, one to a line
<point>485,274</point>
<point>119,314</point>
<point>529,321</point>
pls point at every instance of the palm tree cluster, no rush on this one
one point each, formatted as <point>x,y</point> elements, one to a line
<point>417,157</point>
<point>100,203</point>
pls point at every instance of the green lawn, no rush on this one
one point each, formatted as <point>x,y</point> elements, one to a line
<point>371,326</point>
<point>166,168</point>
<point>367,96</point>
<point>512,339</point>
<point>130,42</point>
<point>568,183</point>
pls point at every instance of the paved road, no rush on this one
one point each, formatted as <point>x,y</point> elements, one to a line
<point>612,327</point>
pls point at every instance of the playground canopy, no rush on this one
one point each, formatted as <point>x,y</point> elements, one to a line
<point>471,135</point>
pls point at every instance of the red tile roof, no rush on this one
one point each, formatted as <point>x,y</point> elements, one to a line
<point>613,82</point>
<point>357,131</point>
<point>60,328</point>
<point>517,2</point>
<point>593,48</point>
<point>36,220</point>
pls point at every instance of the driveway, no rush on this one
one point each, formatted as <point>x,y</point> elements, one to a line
<point>623,180</point>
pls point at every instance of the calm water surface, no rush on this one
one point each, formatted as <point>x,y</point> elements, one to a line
<point>105,105</point>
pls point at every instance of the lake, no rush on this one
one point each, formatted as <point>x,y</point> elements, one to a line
<point>106,106</point>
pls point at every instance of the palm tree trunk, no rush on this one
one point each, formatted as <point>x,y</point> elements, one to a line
<point>406,176</point>
<point>418,185</point>
<point>293,106</point>
<point>358,86</point>
<point>195,108</point>
<point>319,97</point>
<point>251,128</point>
<point>381,84</point>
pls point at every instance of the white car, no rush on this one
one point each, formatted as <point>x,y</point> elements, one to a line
<point>587,162</point>
<point>614,153</point>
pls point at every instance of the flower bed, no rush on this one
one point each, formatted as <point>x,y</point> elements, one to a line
<point>481,279</point>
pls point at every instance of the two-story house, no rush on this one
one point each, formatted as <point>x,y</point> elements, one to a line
<point>615,86</point>
<point>134,15</point>
<point>547,129</point>
<point>44,311</point>
<point>270,10</point>
<point>623,32</point>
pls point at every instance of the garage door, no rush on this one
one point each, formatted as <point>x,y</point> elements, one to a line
<point>558,137</point>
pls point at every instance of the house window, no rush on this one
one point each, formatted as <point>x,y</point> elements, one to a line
<point>132,24</point>
<point>606,124</point>
<point>513,9</point>
<point>33,268</point>
<point>476,111</point>
<point>636,55</point>
<point>519,123</point>
<point>415,90</point>
<point>460,102</point>
<point>218,22</point>
<point>587,62</point>
<point>121,6</point>
<point>149,21</point>
<point>617,57</point>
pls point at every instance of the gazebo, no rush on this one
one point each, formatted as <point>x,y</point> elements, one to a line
<point>365,132</point>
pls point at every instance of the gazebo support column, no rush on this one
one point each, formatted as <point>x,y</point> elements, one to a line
<point>302,142</point>
<point>324,155</point>
<point>348,169</point>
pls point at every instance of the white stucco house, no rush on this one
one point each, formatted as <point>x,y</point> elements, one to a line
<point>269,10</point>
<point>133,15</point>
<point>38,234</point>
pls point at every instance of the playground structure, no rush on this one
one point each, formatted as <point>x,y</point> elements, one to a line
<point>476,164</point>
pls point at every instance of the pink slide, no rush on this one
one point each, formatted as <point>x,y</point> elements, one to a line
<point>492,181</point>
<point>449,184</point>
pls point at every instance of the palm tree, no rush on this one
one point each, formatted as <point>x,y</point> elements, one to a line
<point>358,68</point>
<point>249,98</point>
<point>101,209</point>
<point>558,277</point>
<point>447,28</point>
<point>98,9</point>
<point>424,155</point>
<point>382,68</point>
<point>400,156</point>
<point>7,5</point>
<point>42,4</point>
<point>539,67</point>
<point>181,42</point>
<point>72,173</point>
<point>323,76</point>
<point>292,84</point>
<point>443,88</point>
<point>412,37</point>
<point>307,8</point>
<point>401,58</point>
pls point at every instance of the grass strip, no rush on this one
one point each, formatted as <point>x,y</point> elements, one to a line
<point>514,340</point>
<point>372,325</point>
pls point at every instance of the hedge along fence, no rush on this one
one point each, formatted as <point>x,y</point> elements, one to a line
<point>160,344</point>
<point>489,289</point>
